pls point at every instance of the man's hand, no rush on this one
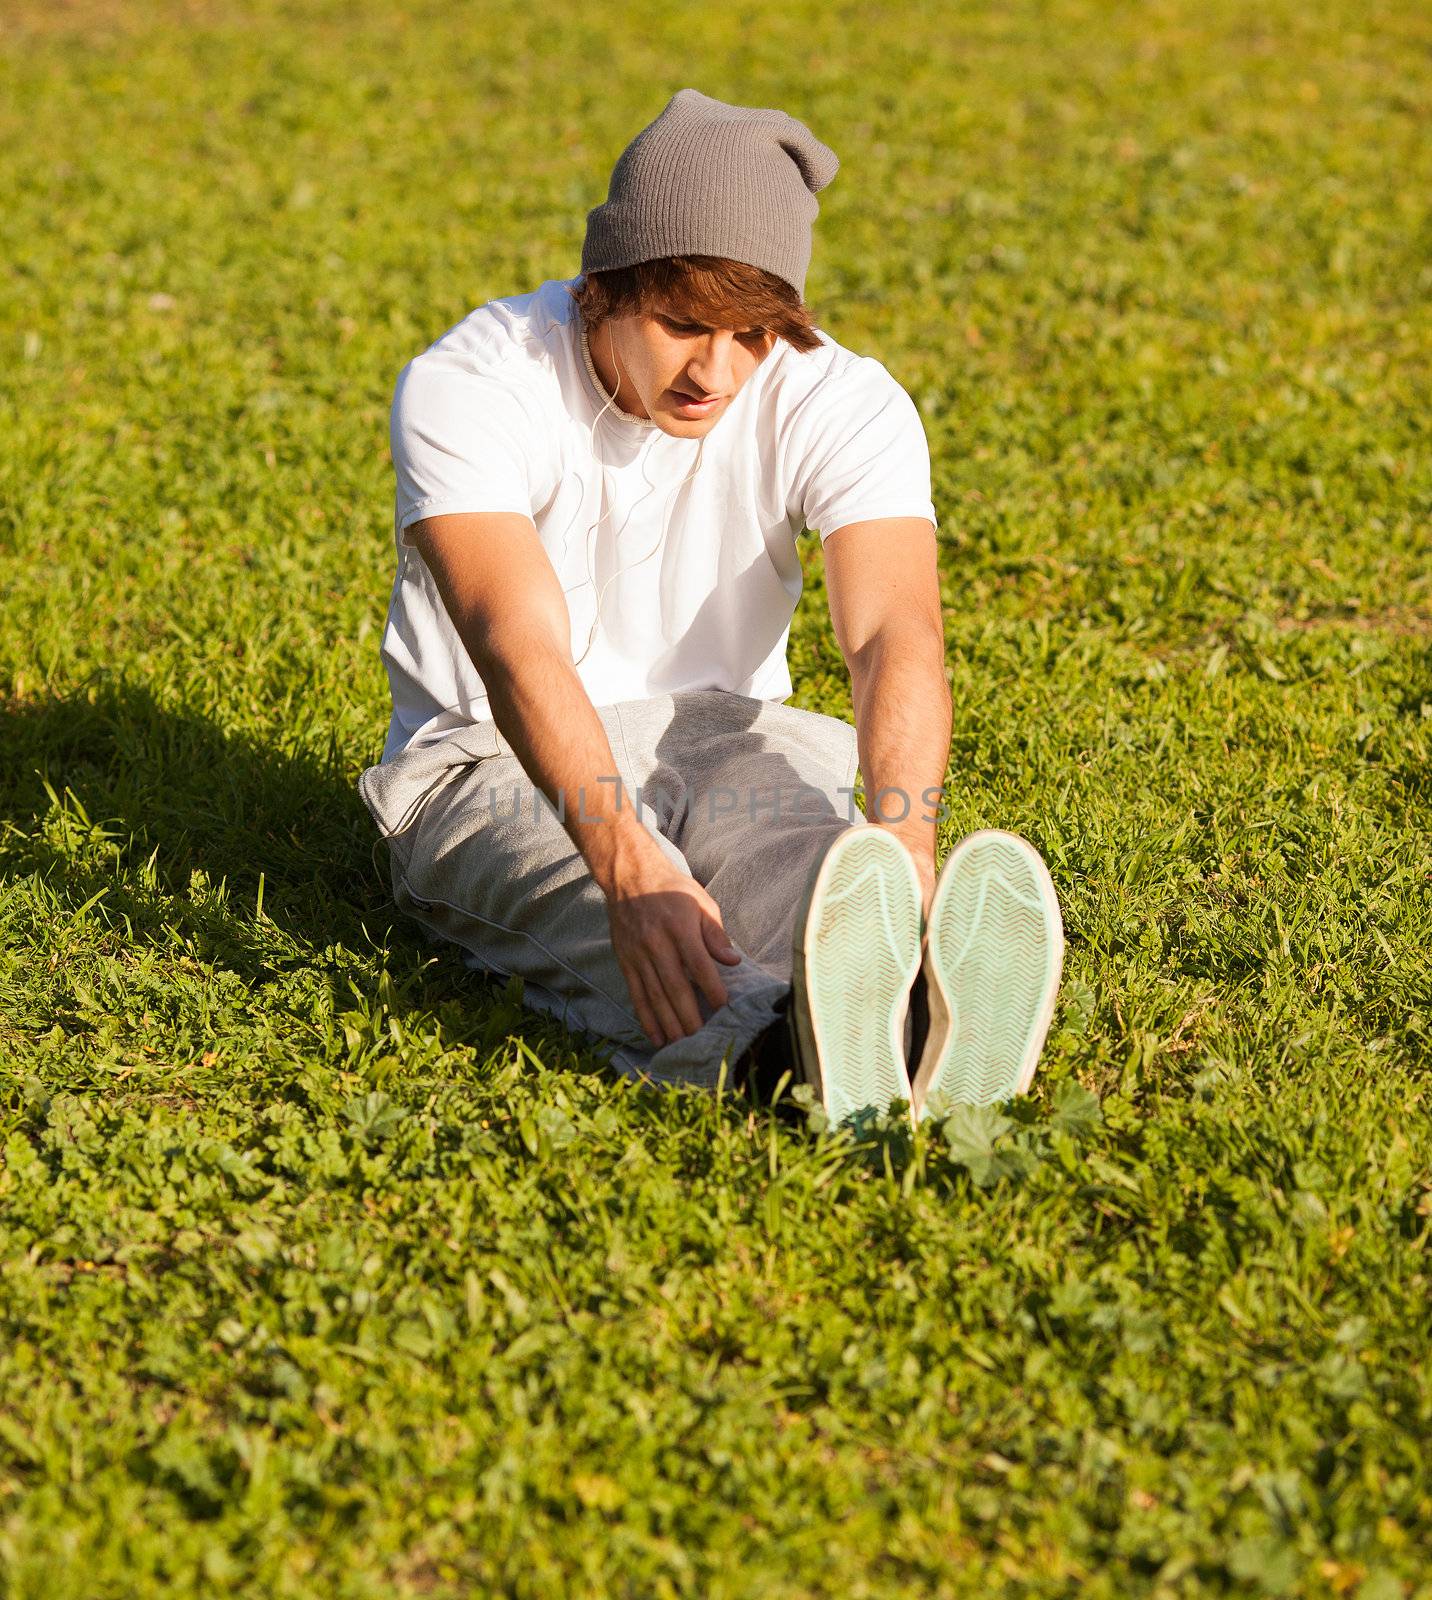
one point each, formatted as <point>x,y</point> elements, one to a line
<point>923,857</point>
<point>666,930</point>
<point>925,866</point>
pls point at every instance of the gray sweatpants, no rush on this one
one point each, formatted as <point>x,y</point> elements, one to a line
<point>745,795</point>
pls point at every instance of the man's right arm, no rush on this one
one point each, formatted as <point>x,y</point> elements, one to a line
<point>506,603</point>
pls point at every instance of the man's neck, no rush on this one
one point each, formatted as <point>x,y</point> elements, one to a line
<point>599,344</point>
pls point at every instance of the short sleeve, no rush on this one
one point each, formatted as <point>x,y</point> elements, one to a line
<point>861,452</point>
<point>461,441</point>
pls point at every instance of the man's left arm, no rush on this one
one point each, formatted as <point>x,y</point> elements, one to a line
<point>883,585</point>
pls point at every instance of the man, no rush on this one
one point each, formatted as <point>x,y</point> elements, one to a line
<point>592,779</point>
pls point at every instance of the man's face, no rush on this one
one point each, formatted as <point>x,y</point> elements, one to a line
<point>663,361</point>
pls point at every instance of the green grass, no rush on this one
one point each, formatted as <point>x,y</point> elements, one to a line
<point>330,1271</point>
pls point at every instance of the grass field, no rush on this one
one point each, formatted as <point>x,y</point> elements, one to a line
<point>327,1269</point>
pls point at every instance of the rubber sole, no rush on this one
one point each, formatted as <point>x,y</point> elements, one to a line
<point>993,957</point>
<point>855,953</point>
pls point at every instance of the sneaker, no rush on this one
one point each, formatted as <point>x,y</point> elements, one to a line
<point>856,950</point>
<point>993,953</point>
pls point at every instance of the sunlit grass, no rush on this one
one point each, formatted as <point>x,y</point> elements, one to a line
<point>328,1268</point>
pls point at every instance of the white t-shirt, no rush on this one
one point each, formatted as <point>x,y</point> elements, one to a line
<point>502,414</point>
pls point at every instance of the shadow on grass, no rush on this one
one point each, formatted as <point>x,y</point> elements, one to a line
<point>177,822</point>
<point>143,779</point>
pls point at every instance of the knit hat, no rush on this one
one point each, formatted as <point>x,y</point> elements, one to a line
<point>707,178</point>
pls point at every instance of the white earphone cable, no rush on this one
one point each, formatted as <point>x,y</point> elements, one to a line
<point>661,535</point>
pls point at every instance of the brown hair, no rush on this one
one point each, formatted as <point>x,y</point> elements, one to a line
<point>711,290</point>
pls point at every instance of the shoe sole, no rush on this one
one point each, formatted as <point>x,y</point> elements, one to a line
<point>993,958</point>
<point>855,953</point>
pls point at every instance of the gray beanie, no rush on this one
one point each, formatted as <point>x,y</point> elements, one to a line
<point>707,178</point>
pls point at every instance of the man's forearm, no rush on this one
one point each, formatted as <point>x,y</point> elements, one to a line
<point>903,719</point>
<point>513,621</point>
<point>541,706</point>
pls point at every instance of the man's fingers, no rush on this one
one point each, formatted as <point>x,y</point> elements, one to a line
<point>679,993</point>
<point>717,940</point>
<point>642,1005</point>
<point>669,968</point>
<point>703,971</point>
<point>659,993</point>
